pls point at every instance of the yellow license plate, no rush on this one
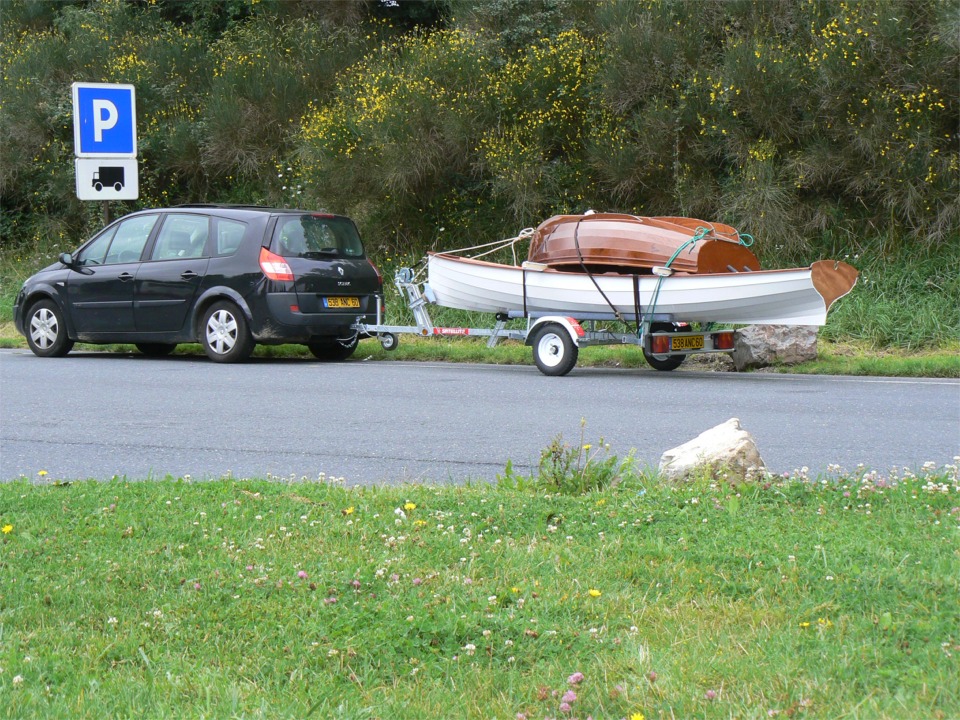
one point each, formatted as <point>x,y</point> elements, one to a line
<point>341,302</point>
<point>693,342</point>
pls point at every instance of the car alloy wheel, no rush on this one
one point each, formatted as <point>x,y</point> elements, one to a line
<point>46,333</point>
<point>226,337</point>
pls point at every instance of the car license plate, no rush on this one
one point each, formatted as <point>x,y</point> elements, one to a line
<point>341,302</point>
<point>690,342</point>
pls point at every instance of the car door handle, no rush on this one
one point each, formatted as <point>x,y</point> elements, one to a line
<point>188,274</point>
<point>124,277</point>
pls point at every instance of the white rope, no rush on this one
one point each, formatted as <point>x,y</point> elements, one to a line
<point>496,245</point>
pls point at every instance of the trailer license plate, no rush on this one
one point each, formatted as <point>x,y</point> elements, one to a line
<point>341,302</point>
<point>691,342</point>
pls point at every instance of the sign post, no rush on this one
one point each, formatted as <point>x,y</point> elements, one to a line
<point>105,142</point>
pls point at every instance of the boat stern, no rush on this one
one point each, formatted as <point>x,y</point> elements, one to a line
<point>833,279</point>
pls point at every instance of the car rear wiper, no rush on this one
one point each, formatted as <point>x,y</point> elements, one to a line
<point>324,251</point>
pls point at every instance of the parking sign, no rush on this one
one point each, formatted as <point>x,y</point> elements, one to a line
<point>104,120</point>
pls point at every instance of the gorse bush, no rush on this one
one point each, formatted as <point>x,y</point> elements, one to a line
<point>398,136</point>
<point>788,118</point>
<point>817,126</point>
<point>213,119</point>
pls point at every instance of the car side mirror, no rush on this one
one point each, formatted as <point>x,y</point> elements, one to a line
<point>66,259</point>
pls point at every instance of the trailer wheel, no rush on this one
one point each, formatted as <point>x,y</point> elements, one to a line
<point>663,362</point>
<point>554,350</point>
<point>389,341</point>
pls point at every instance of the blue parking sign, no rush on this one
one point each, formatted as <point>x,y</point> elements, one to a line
<point>104,120</point>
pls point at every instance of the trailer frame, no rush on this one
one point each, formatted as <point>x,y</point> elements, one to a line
<point>554,338</point>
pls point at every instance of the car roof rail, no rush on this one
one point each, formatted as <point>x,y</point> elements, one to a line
<point>226,206</point>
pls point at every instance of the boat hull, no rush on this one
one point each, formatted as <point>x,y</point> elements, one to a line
<point>799,296</point>
<point>604,242</point>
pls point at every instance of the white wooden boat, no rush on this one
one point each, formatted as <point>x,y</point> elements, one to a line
<point>800,296</point>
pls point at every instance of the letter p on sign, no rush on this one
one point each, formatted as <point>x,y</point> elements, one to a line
<point>104,120</point>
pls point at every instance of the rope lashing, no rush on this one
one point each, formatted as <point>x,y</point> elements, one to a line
<point>700,234</point>
<point>576,241</point>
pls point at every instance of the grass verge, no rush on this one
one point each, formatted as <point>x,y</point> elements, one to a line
<point>790,598</point>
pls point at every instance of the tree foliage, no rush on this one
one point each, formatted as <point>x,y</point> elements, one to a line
<point>812,123</point>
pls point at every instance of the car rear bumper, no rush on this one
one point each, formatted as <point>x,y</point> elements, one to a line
<point>285,322</point>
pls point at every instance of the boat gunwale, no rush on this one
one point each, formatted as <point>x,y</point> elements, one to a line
<point>477,261</point>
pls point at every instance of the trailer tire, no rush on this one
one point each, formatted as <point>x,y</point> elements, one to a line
<point>389,341</point>
<point>663,363</point>
<point>554,351</point>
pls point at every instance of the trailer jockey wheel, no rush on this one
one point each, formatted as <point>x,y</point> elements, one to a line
<point>554,350</point>
<point>663,362</point>
<point>388,341</point>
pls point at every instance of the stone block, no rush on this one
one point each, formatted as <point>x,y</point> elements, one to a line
<point>727,446</point>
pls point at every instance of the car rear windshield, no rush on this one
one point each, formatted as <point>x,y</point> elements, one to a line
<point>316,236</point>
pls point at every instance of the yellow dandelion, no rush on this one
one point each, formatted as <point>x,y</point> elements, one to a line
<point>409,506</point>
<point>348,511</point>
<point>637,716</point>
<point>594,593</point>
<point>7,529</point>
<point>43,473</point>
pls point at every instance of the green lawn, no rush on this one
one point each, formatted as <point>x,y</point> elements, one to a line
<point>809,598</point>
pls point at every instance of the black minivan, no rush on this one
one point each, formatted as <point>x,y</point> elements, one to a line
<point>226,276</point>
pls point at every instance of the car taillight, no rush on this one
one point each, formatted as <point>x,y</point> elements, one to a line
<point>274,266</point>
<point>377,271</point>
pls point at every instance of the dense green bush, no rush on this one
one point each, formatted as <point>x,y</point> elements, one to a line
<point>822,127</point>
<point>787,118</point>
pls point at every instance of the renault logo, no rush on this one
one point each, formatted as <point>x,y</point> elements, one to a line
<point>339,269</point>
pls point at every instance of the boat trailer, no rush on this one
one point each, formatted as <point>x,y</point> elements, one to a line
<point>555,339</point>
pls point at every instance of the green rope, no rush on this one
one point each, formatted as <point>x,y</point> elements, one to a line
<point>701,233</point>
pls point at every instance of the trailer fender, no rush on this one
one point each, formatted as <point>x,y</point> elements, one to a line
<point>568,323</point>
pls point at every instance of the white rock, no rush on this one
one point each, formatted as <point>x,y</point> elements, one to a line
<point>761,345</point>
<point>726,446</point>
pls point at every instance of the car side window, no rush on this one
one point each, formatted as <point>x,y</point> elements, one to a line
<point>182,236</point>
<point>96,251</point>
<point>229,236</point>
<point>121,244</point>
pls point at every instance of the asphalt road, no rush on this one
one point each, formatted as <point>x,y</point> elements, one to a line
<point>93,415</point>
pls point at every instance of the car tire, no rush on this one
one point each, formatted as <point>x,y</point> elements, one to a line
<point>224,333</point>
<point>333,349</point>
<point>45,330</point>
<point>156,349</point>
